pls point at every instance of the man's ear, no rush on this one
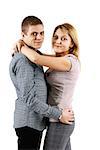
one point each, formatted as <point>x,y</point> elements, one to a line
<point>22,34</point>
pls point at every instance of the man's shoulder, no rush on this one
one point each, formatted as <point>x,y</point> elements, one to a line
<point>18,57</point>
<point>17,60</point>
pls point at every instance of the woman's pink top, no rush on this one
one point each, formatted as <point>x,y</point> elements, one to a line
<point>61,84</point>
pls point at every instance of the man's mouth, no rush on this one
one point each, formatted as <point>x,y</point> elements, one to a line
<point>38,42</point>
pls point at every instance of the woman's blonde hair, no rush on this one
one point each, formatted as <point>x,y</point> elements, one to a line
<point>73,34</point>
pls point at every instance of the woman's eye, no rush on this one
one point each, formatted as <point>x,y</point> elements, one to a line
<point>55,37</point>
<point>63,39</point>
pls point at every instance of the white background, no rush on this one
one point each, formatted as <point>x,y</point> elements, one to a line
<point>84,15</point>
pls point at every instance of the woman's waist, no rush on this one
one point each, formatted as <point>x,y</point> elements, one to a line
<point>62,102</point>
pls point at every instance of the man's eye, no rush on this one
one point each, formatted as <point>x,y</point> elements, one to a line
<point>34,33</point>
<point>42,33</point>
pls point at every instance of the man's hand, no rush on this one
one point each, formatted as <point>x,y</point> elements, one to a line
<point>67,116</point>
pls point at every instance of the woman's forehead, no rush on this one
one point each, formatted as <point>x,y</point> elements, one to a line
<point>62,31</point>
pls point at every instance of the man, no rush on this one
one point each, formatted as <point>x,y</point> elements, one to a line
<point>28,79</point>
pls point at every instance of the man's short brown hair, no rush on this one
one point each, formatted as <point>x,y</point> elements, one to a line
<point>29,20</point>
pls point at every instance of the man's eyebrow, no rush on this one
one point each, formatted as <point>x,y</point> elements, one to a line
<point>37,32</point>
<point>34,32</point>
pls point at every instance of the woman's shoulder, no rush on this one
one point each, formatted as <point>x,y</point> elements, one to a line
<point>75,63</point>
<point>71,56</point>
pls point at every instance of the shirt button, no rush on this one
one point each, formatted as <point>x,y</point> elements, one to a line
<point>34,94</point>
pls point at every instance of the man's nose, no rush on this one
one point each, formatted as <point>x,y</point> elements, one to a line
<point>38,36</point>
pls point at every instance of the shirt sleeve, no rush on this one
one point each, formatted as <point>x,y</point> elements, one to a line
<point>26,93</point>
<point>74,62</point>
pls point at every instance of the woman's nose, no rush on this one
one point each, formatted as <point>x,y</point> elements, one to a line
<point>58,40</point>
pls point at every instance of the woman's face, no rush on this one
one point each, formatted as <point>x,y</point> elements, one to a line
<point>61,41</point>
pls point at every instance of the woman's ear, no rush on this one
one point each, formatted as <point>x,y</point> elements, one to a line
<point>71,45</point>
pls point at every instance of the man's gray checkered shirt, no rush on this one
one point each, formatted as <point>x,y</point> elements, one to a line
<point>30,106</point>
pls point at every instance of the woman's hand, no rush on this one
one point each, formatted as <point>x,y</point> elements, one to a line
<point>17,46</point>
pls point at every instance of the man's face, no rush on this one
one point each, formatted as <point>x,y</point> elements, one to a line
<point>34,36</point>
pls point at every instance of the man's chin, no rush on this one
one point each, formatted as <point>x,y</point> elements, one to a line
<point>37,47</point>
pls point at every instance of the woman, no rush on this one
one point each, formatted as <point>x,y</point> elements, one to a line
<point>61,78</point>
